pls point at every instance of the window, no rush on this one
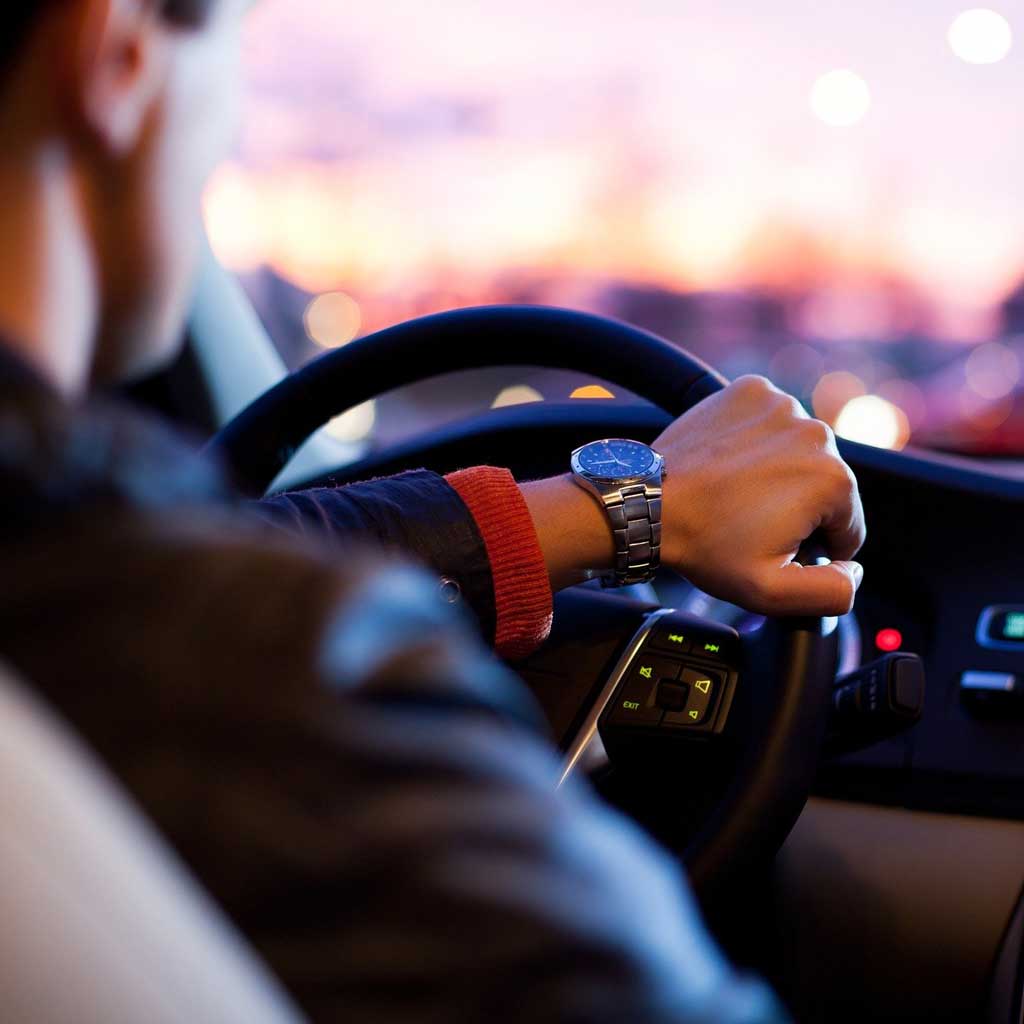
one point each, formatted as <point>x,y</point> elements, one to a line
<point>830,194</point>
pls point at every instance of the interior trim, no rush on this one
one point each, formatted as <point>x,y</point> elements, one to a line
<point>581,755</point>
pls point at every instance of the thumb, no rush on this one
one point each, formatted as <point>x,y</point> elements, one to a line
<point>828,589</point>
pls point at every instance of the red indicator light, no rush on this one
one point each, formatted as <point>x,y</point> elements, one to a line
<point>888,640</point>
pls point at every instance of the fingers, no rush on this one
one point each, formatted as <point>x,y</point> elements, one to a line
<point>810,589</point>
<point>750,476</point>
<point>842,523</point>
<point>842,515</point>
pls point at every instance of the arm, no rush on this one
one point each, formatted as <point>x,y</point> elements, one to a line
<point>417,514</point>
<point>749,477</point>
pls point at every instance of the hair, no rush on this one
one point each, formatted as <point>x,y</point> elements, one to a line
<point>18,19</point>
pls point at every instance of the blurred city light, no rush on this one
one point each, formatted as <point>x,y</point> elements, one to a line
<point>355,425</point>
<point>840,98</point>
<point>872,420</point>
<point>333,320</point>
<point>834,392</point>
<point>592,391</point>
<point>982,415</point>
<point>906,396</point>
<point>980,36</point>
<point>846,313</point>
<point>517,394</point>
<point>992,370</point>
<point>231,207</point>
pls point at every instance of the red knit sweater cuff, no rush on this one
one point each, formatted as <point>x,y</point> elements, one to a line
<point>522,590</point>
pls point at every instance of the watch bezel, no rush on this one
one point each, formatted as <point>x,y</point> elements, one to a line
<point>657,466</point>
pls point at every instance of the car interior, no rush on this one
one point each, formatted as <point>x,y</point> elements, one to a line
<point>846,795</point>
<point>913,778</point>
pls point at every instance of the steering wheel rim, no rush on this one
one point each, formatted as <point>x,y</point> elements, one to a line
<point>258,443</point>
<point>767,796</point>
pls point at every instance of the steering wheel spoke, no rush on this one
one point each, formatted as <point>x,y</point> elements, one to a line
<point>699,730</point>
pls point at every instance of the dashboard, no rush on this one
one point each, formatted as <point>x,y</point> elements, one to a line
<point>945,578</point>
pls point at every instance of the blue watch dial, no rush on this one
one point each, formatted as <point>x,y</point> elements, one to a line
<point>616,458</point>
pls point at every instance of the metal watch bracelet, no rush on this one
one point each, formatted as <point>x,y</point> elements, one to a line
<point>634,512</point>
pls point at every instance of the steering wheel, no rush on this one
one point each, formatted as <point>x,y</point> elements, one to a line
<point>713,737</point>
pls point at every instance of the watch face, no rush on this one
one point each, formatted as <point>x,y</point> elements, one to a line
<point>616,458</point>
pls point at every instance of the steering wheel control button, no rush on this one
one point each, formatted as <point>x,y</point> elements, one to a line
<point>636,702</point>
<point>656,669</point>
<point>684,676</point>
<point>679,638</point>
<point>710,648</point>
<point>671,638</point>
<point>672,696</point>
<point>703,687</point>
<point>1001,628</point>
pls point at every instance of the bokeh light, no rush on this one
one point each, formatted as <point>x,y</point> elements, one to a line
<point>980,36</point>
<point>833,392</point>
<point>872,420</point>
<point>983,415</point>
<point>231,207</point>
<point>516,394</point>
<point>591,391</point>
<point>333,320</point>
<point>355,425</point>
<point>840,98</point>
<point>845,313</point>
<point>908,397</point>
<point>992,370</point>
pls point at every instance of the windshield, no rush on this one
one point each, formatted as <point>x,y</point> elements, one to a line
<point>828,194</point>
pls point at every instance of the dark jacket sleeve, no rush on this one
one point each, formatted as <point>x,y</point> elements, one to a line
<point>417,514</point>
<point>366,791</point>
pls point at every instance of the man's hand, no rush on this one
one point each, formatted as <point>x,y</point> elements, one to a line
<point>749,477</point>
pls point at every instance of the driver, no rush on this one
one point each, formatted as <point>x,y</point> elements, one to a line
<point>368,794</point>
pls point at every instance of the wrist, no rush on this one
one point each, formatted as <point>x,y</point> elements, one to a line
<point>573,530</point>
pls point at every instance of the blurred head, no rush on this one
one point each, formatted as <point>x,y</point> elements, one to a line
<point>123,107</point>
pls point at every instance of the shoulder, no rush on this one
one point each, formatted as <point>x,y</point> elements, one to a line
<point>58,457</point>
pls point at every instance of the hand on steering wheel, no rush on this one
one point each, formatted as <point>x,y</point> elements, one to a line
<point>749,477</point>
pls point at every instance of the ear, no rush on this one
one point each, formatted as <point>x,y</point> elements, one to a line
<point>120,64</point>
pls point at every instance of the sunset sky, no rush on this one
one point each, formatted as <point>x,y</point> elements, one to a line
<point>393,145</point>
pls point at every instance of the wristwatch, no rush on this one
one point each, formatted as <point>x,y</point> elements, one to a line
<point>625,476</point>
